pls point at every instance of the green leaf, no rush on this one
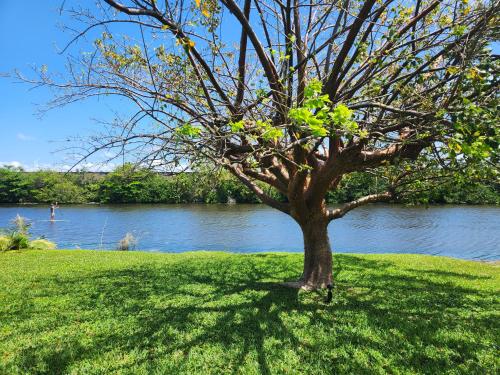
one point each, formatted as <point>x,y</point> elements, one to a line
<point>272,134</point>
<point>318,130</point>
<point>237,126</point>
<point>188,130</point>
<point>341,114</point>
<point>314,87</point>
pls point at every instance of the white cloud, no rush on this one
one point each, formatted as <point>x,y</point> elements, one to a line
<point>109,154</point>
<point>93,167</point>
<point>36,166</point>
<point>23,137</point>
<point>13,164</point>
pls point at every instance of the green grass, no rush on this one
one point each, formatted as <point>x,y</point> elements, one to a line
<point>90,312</point>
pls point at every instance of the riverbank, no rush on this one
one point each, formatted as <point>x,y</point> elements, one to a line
<point>204,312</point>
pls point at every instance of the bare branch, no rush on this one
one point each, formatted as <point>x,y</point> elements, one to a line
<point>345,208</point>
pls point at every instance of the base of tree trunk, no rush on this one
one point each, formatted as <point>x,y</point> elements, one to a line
<point>304,286</point>
<point>298,285</point>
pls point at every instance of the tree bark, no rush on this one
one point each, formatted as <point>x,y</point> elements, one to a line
<point>317,255</point>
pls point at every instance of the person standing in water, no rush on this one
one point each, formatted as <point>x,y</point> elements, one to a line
<point>53,211</point>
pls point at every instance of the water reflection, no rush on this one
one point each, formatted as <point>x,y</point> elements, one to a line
<point>461,231</point>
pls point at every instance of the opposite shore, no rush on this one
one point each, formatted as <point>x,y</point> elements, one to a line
<point>128,184</point>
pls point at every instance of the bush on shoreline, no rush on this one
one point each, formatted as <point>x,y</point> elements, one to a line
<point>18,237</point>
<point>127,184</point>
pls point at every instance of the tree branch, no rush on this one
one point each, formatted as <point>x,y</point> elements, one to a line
<point>283,207</point>
<point>345,208</point>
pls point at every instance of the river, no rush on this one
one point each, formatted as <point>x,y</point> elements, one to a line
<point>469,232</point>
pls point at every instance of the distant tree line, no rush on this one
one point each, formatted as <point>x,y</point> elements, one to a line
<point>128,184</point>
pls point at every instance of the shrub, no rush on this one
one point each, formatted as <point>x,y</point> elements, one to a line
<point>15,185</point>
<point>18,237</point>
<point>21,224</point>
<point>18,241</point>
<point>42,244</point>
<point>4,243</point>
<point>61,191</point>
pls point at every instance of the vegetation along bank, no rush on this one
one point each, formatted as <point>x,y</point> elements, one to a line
<point>131,185</point>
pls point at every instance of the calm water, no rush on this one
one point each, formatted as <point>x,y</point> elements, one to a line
<point>471,232</point>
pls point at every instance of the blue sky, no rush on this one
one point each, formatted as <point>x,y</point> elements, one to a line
<point>30,35</point>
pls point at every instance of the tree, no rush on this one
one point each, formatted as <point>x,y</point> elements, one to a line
<point>295,94</point>
<point>13,188</point>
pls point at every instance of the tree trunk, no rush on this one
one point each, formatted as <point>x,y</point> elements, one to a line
<point>317,255</point>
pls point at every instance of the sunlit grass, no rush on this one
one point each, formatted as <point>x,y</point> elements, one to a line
<point>94,312</point>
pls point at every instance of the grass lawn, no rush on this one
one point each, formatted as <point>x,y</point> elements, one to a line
<point>89,312</point>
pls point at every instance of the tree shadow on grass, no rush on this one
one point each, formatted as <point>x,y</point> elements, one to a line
<point>453,275</point>
<point>229,315</point>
